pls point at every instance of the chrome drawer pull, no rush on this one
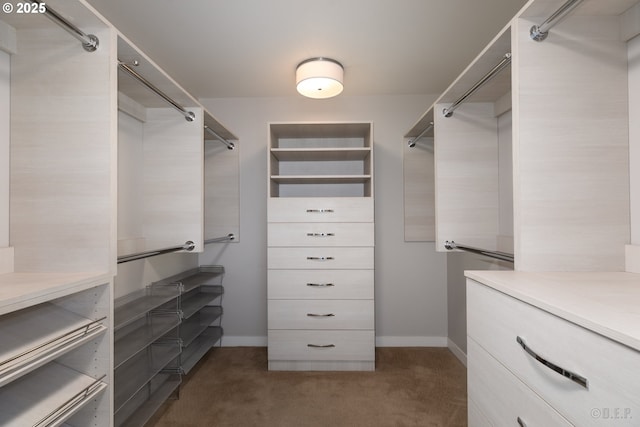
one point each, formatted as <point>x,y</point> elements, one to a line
<point>521,423</point>
<point>578,379</point>
<point>320,285</point>
<point>320,258</point>
<point>321,345</point>
<point>320,315</point>
<point>320,234</point>
<point>320,210</point>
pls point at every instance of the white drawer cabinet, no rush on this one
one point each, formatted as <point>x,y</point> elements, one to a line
<point>321,346</point>
<point>320,209</point>
<point>320,234</point>
<point>320,253</point>
<point>505,399</point>
<point>589,379</point>
<point>321,314</point>
<point>320,284</point>
<point>320,258</point>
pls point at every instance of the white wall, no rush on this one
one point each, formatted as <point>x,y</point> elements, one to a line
<point>410,286</point>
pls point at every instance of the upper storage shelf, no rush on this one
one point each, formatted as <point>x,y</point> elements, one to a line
<point>320,159</point>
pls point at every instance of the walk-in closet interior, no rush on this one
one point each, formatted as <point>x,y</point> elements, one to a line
<point>471,183</point>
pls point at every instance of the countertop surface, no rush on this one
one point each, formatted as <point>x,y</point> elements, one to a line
<point>605,302</point>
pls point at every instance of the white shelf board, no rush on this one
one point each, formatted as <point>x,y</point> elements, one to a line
<point>37,335</point>
<point>21,290</point>
<point>42,393</point>
<point>320,179</point>
<point>319,154</point>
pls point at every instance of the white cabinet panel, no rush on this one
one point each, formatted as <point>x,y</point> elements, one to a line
<point>320,209</point>
<point>321,314</point>
<point>321,345</point>
<point>320,284</point>
<point>321,234</point>
<point>503,398</point>
<point>320,258</point>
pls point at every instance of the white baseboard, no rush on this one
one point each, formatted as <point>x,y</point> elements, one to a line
<point>411,341</point>
<point>457,352</point>
<point>243,341</point>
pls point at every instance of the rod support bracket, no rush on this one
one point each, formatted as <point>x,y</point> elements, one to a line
<point>536,34</point>
<point>92,44</point>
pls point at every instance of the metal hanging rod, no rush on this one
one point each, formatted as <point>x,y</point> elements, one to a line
<point>503,256</point>
<point>540,32</point>
<point>89,41</point>
<point>228,238</point>
<point>412,143</point>
<point>188,246</point>
<point>506,60</point>
<point>230,145</point>
<point>188,115</point>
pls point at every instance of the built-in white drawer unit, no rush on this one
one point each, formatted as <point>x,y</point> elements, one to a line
<point>320,258</point>
<point>320,254</point>
<point>321,345</point>
<point>320,284</point>
<point>505,401</point>
<point>321,314</point>
<point>583,375</point>
<point>320,234</point>
<point>320,209</point>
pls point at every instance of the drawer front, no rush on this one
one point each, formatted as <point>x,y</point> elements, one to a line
<point>321,314</point>
<point>320,284</point>
<point>500,397</point>
<point>320,258</point>
<point>320,234</point>
<point>495,320</point>
<point>320,209</point>
<point>321,345</point>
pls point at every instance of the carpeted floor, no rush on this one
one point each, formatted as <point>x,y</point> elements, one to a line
<point>231,386</point>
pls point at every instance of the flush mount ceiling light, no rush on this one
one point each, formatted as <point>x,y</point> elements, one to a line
<point>319,77</point>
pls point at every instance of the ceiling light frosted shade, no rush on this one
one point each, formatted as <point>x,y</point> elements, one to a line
<point>319,78</point>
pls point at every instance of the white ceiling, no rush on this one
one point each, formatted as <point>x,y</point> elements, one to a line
<point>250,48</point>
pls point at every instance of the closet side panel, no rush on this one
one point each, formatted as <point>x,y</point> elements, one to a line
<point>419,209</point>
<point>222,190</point>
<point>61,155</point>
<point>5,115</point>
<point>571,161</point>
<point>173,178</point>
<point>634,136</point>
<point>466,176</point>
<point>130,170</point>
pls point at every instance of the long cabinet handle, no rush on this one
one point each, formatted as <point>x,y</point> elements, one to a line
<point>320,315</point>
<point>521,423</point>
<point>320,210</point>
<point>320,285</point>
<point>320,258</point>
<point>321,234</point>
<point>578,379</point>
<point>321,345</point>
